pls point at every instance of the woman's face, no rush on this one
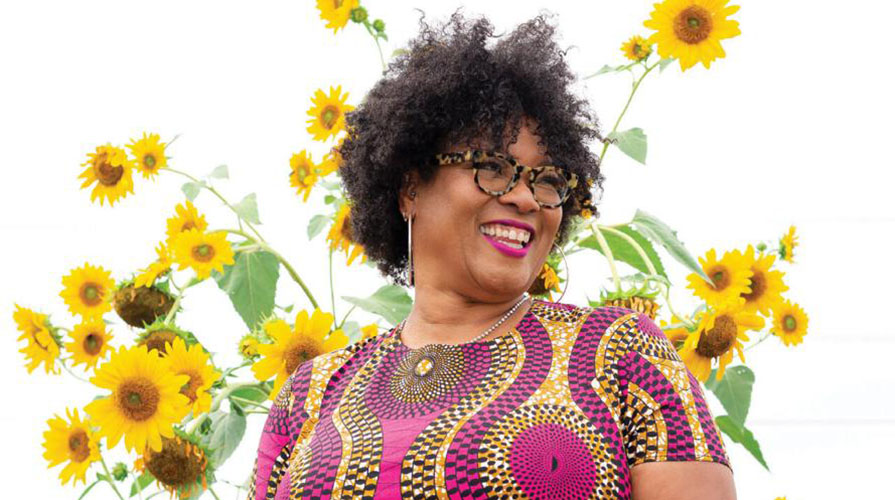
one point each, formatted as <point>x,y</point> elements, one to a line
<point>450,251</point>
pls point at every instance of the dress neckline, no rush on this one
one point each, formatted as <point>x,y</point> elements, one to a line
<point>529,313</point>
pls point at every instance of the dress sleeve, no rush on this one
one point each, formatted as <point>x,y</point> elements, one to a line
<point>664,415</point>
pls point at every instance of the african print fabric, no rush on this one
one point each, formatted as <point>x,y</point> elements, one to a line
<point>560,407</point>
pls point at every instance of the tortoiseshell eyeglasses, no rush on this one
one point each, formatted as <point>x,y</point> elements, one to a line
<point>497,173</point>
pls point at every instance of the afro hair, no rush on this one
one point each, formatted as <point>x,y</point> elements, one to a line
<point>448,87</point>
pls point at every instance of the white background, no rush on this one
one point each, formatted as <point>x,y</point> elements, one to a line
<point>790,128</point>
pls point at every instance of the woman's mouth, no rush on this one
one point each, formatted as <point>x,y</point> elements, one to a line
<point>508,240</point>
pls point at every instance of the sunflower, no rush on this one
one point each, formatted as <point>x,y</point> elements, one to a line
<point>545,282</point>
<point>149,154</point>
<point>193,362</point>
<point>160,335</point>
<point>293,346</point>
<point>145,402</point>
<point>161,266</point>
<point>717,334</point>
<point>692,30</point>
<point>70,440</point>
<point>790,323</point>
<point>90,343</point>
<point>203,252</point>
<point>180,466</point>
<point>328,113</point>
<point>765,285</point>
<point>88,291</point>
<point>636,48</point>
<point>187,218</point>
<point>730,275</point>
<point>340,238</point>
<point>140,305</point>
<point>336,12</point>
<point>788,243</point>
<point>43,347</point>
<point>303,174</point>
<point>111,169</point>
<point>248,346</point>
<point>369,331</point>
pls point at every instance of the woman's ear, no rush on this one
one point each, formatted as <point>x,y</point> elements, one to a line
<point>408,193</point>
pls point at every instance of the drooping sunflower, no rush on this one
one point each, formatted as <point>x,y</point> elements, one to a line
<point>636,48</point>
<point>90,343</point>
<point>42,347</point>
<point>161,266</point>
<point>112,171</point>
<point>160,335</point>
<point>140,305</point>
<point>717,334</point>
<point>790,322</point>
<point>203,252</point>
<point>546,282</point>
<point>328,113</point>
<point>180,467</point>
<point>788,243</point>
<point>691,30</point>
<point>149,154</point>
<point>303,173</point>
<point>87,291</point>
<point>730,275</point>
<point>70,440</point>
<point>145,401</point>
<point>765,285</point>
<point>186,218</point>
<point>336,12</point>
<point>339,236</point>
<point>293,346</point>
<point>195,363</point>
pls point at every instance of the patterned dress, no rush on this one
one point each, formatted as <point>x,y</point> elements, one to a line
<point>560,407</point>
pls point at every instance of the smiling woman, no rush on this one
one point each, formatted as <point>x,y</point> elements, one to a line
<point>465,166</point>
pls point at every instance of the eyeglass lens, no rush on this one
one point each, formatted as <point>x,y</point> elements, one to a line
<point>495,174</point>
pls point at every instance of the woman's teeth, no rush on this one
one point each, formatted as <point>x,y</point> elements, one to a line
<point>513,237</point>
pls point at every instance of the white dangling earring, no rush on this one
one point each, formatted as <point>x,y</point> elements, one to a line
<point>568,275</point>
<point>409,250</point>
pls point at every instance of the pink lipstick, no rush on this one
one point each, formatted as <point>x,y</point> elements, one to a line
<point>507,250</point>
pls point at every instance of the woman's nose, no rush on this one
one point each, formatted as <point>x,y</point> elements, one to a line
<point>521,195</point>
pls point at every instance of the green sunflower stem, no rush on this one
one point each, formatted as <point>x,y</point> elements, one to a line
<point>636,246</point>
<point>634,88</point>
<point>607,252</point>
<point>370,30</point>
<point>139,490</point>
<point>291,270</point>
<point>342,323</point>
<point>762,339</point>
<point>67,369</point>
<point>215,495</point>
<point>108,477</point>
<point>332,290</point>
<point>176,305</point>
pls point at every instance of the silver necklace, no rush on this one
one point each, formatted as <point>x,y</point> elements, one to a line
<point>481,335</point>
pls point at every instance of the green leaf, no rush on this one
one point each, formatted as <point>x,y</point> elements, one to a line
<point>88,488</point>
<point>191,189</point>
<point>318,222</point>
<point>226,433</point>
<point>251,284</point>
<point>624,252</point>
<point>742,436</point>
<point>631,142</point>
<point>220,172</point>
<point>660,233</point>
<point>142,481</point>
<point>390,301</point>
<point>247,208</point>
<point>251,392</point>
<point>734,391</point>
<point>328,185</point>
<point>329,199</point>
<point>665,62</point>
<point>607,69</point>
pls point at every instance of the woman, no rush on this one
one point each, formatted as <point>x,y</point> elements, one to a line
<point>465,166</point>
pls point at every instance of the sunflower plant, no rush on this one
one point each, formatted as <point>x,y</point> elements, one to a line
<point>179,416</point>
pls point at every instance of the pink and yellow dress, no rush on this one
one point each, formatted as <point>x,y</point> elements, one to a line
<point>560,407</point>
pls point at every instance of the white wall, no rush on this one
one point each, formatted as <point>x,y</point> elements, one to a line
<point>790,128</point>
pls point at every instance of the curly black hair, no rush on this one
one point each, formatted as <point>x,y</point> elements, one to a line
<point>448,87</point>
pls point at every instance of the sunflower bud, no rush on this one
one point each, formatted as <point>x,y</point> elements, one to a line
<point>119,471</point>
<point>248,347</point>
<point>141,306</point>
<point>379,25</point>
<point>359,15</point>
<point>761,247</point>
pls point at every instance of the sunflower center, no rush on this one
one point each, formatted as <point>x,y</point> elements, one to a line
<point>346,228</point>
<point>789,323</point>
<point>92,344</point>
<point>78,445</point>
<point>106,173</point>
<point>203,252</point>
<point>337,3</point>
<point>137,399</point>
<point>91,294</point>
<point>187,226</point>
<point>301,172</point>
<point>298,354</point>
<point>720,277</point>
<point>149,160</point>
<point>329,116</point>
<point>759,286</point>
<point>190,388</point>
<point>719,339</point>
<point>37,341</point>
<point>156,341</point>
<point>637,49</point>
<point>179,464</point>
<point>693,24</point>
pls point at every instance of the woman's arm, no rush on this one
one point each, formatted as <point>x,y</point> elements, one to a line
<point>682,481</point>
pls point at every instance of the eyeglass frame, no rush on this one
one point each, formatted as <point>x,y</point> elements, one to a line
<point>477,155</point>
